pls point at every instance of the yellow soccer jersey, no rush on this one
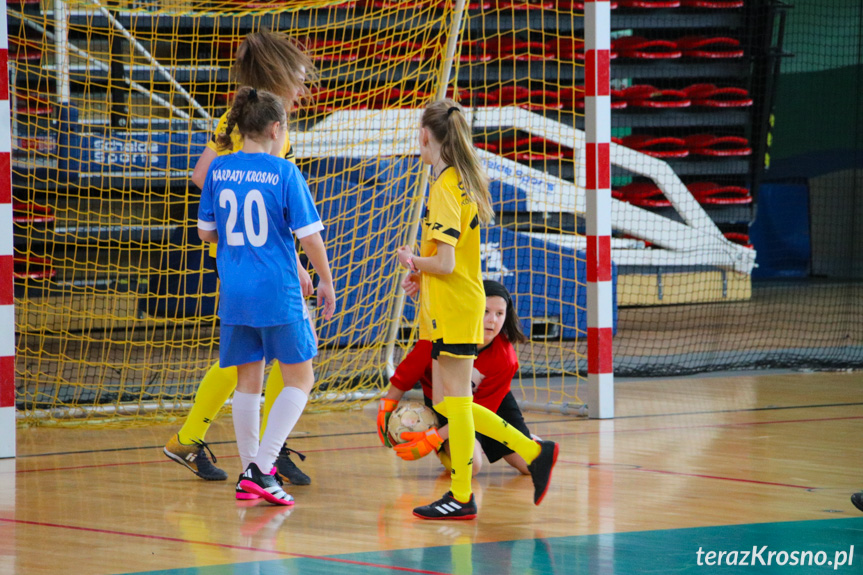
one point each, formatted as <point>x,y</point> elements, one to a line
<point>287,152</point>
<point>237,139</point>
<point>452,306</point>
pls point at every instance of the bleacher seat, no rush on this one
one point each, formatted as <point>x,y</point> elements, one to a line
<point>713,4</point>
<point>522,96</point>
<point>710,96</point>
<point>646,96</point>
<point>713,47</point>
<point>713,194</point>
<point>641,48</point>
<point>658,147</point>
<point>717,146</point>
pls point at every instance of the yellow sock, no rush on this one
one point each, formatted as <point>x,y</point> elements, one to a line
<point>215,389</point>
<point>461,440</point>
<point>492,425</point>
<point>275,384</point>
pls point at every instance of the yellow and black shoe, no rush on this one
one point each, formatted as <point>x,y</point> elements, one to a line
<point>194,458</point>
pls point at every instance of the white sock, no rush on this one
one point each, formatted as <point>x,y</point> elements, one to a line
<point>283,417</point>
<point>247,421</point>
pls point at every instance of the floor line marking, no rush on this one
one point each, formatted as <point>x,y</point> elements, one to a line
<point>221,545</point>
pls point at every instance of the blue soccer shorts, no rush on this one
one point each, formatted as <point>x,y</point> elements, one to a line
<point>291,343</point>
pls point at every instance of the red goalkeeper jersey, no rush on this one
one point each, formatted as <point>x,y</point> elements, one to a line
<point>493,371</point>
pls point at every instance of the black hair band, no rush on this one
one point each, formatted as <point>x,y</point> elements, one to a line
<point>492,288</point>
<point>451,110</point>
<point>253,94</point>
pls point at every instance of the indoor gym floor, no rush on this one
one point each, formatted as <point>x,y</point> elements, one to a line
<point>722,463</point>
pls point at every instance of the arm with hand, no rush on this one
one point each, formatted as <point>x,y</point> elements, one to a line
<point>202,166</point>
<point>419,443</point>
<point>442,263</point>
<point>387,405</point>
<point>210,236</point>
<point>313,245</point>
<point>411,369</point>
<point>306,285</point>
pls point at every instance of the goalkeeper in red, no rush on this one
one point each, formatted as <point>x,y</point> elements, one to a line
<point>493,370</point>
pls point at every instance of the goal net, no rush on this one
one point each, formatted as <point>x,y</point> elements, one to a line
<point>113,102</point>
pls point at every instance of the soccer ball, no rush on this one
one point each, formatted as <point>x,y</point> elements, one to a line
<point>409,416</point>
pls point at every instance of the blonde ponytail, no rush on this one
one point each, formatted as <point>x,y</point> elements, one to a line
<point>447,123</point>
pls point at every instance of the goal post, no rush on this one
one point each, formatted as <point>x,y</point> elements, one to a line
<point>597,100</point>
<point>7,303</point>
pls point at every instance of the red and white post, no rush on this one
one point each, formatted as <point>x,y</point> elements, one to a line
<point>7,309</point>
<point>600,306</point>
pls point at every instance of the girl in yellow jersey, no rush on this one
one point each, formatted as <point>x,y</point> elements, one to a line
<point>447,274</point>
<point>275,63</point>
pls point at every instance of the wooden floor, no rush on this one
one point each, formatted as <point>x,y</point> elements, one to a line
<point>713,463</point>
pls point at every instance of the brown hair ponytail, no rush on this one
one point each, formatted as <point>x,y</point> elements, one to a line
<point>252,112</point>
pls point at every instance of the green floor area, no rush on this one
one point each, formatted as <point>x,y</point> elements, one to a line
<point>801,547</point>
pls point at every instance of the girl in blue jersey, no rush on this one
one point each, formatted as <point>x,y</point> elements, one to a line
<point>252,205</point>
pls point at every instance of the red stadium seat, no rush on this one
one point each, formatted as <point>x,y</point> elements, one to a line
<point>645,96</point>
<point>32,267</point>
<point>524,4</point>
<point>533,149</point>
<point>712,194</point>
<point>476,5</point>
<point>527,149</point>
<point>37,144</point>
<point>709,96</point>
<point>717,146</point>
<point>419,52</point>
<point>573,99</point>
<point>32,106</point>
<point>642,194</point>
<point>716,47</point>
<point>570,49</point>
<point>577,5</point>
<point>642,48</point>
<point>523,97</point>
<point>327,101</point>
<point>396,98</point>
<point>715,4</point>
<point>739,238</point>
<point>648,194</point>
<point>509,48</point>
<point>664,147</point>
<point>649,3</point>
<point>24,49</point>
<point>28,213</point>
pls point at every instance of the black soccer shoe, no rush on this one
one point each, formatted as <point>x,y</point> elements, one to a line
<point>448,508</point>
<point>288,470</point>
<point>540,469</point>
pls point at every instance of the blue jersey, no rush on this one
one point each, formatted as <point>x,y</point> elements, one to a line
<point>255,202</point>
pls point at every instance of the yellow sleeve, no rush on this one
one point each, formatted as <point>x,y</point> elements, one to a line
<point>445,213</point>
<point>288,150</point>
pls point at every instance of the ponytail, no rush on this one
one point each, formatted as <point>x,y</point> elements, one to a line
<point>251,113</point>
<point>447,123</point>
